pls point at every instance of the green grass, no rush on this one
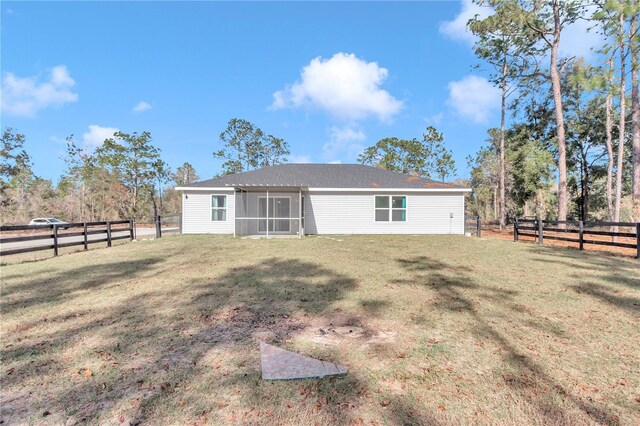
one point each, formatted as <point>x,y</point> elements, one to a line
<point>434,330</point>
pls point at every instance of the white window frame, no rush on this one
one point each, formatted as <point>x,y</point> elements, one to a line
<point>391,209</point>
<point>226,213</point>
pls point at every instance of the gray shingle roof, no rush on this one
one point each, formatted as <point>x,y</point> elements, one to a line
<point>323,176</point>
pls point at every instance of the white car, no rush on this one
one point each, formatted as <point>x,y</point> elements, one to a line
<point>48,221</point>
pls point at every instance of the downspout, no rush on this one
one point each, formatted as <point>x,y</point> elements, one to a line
<point>300,212</point>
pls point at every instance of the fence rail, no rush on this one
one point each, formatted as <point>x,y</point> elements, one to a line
<point>568,229</point>
<point>474,224</point>
<point>61,239</point>
<point>164,220</point>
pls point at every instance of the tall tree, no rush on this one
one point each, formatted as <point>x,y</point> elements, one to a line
<point>185,175</point>
<point>622,50</point>
<point>14,158</point>
<point>246,147</point>
<point>135,161</point>
<point>547,19</point>
<point>427,157</point>
<point>99,193</point>
<point>508,47</point>
<point>609,134</point>
<point>439,159</point>
<point>634,46</point>
<point>15,177</point>
<point>485,178</point>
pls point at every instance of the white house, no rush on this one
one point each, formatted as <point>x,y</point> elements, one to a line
<point>299,199</point>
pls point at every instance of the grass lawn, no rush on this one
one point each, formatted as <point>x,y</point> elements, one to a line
<point>434,330</point>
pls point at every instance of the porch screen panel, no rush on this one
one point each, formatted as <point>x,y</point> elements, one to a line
<point>283,213</point>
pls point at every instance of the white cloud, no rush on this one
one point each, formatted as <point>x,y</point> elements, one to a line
<point>96,136</point>
<point>456,29</point>
<point>344,85</point>
<point>434,119</point>
<point>343,141</point>
<point>24,96</point>
<point>142,106</point>
<point>335,162</point>
<point>300,159</point>
<point>577,39</point>
<point>474,98</point>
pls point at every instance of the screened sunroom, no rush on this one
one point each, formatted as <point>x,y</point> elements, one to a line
<point>275,211</point>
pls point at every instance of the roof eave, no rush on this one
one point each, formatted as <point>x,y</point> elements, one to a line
<point>227,188</point>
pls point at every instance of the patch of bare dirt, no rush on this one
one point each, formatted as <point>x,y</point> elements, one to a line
<point>346,329</point>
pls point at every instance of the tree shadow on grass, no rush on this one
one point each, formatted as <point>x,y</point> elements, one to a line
<point>190,353</point>
<point>609,296</point>
<point>615,270</point>
<point>615,276</point>
<point>48,288</point>
<point>457,290</point>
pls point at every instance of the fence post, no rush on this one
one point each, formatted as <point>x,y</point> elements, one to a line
<point>131,229</point>
<point>540,231</point>
<point>84,235</point>
<point>515,228</point>
<point>108,233</point>
<point>158,227</point>
<point>478,227</point>
<point>180,224</point>
<point>638,240</point>
<point>55,240</point>
<point>581,234</point>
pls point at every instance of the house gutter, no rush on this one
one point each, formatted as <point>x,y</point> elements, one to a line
<point>311,189</point>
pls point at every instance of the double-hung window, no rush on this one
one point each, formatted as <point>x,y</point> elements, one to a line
<point>218,208</point>
<point>391,208</point>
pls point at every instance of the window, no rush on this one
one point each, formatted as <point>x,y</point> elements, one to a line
<point>391,207</point>
<point>218,208</point>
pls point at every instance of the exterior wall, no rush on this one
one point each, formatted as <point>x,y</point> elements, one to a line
<point>196,213</point>
<point>354,213</point>
<point>335,213</point>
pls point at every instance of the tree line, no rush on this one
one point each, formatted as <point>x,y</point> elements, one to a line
<point>126,177</point>
<point>572,146</point>
<point>123,178</point>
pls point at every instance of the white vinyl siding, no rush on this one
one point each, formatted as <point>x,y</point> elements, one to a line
<point>354,213</point>
<point>197,213</point>
<point>337,212</point>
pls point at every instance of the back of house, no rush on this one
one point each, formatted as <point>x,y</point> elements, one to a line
<point>302,199</point>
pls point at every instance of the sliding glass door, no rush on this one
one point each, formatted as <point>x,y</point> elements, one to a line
<point>279,208</point>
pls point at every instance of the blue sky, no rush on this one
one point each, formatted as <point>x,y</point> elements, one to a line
<point>330,78</point>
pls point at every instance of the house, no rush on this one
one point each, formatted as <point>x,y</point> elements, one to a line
<point>301,199</point>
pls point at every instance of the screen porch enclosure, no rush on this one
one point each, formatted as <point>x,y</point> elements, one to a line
<point>269,212</point>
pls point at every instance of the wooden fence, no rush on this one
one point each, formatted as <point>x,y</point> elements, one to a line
<point>174,221</point>
<point>56,239</point>
<point>579,232</point>
<point>473,224</point>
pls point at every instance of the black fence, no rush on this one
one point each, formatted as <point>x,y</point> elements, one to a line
<point>168,223</point>
<point>579,232</point>
<point>63,235</point>
<point>473,225</point>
